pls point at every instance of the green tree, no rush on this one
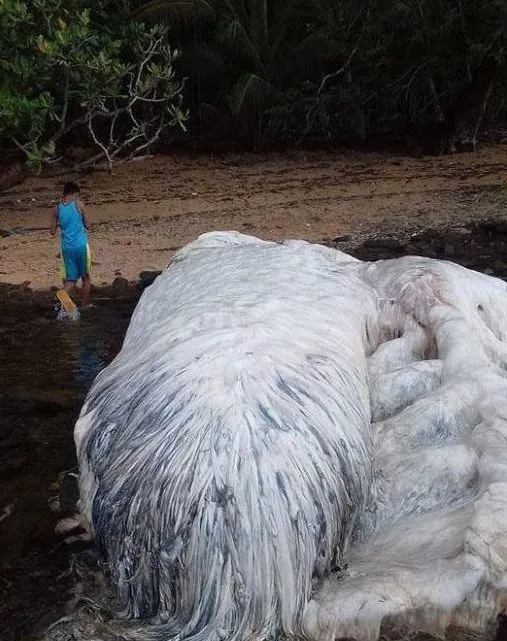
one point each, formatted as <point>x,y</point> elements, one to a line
<point>64,67</point>
<point>238,54</point>
<point>426,71</point>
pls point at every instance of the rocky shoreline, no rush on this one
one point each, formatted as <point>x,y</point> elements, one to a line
<point>477,245</point>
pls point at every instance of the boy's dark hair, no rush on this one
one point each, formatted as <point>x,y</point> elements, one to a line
<point>70,188</point>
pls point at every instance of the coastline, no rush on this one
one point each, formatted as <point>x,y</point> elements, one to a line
<point>145,211</point>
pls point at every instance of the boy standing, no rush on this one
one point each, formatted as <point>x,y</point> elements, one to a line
<point>75,252</point>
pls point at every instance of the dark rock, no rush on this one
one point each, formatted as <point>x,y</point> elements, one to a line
<point>19,287</point>
<point>14,454</point>
<point>146,278</point>
<point>342,239</point>
<point>86,561</point>
<point>68,491</point>
<point>119,287</point>
<point>500,265</point>
<point>62,628</point>
<point>389,244</point>
<point>36,401</point>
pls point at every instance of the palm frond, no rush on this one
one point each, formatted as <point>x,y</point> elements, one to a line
<point>233,10</point>
<point>253,92</point>
<point>289,14</point>
<point>309,54</point>
<point>199,58</point>
<point>172,11</point>
<point>237,40</point>
<point>258,23</point>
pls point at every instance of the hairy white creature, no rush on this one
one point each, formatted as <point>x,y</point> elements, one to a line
<point>293,441</point>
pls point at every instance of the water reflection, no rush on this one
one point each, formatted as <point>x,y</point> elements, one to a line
<point>89,362</point>
<point>46,368</point>
<point>86,347</point>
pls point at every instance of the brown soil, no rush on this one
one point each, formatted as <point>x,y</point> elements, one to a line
<point>142,212</point>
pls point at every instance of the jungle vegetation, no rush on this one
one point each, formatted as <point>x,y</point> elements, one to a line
<point>128,76</point>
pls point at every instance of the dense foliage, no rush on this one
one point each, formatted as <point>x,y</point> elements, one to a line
<point>426,72</point>
<point>66,69</point>
<point>294,70</point>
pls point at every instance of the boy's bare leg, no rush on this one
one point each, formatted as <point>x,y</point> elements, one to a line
<point>87,285</point>
<point>68,285</point>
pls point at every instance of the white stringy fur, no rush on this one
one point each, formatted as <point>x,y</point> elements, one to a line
<point>295,441</point>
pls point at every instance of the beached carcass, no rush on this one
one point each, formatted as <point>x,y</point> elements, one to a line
<point>292,441</point>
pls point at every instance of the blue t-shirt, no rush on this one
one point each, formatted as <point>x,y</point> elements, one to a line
<point>72,226</point>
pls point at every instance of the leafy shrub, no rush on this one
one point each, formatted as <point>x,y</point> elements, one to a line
<point>64,66</point>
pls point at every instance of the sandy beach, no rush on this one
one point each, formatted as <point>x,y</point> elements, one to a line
<point>145,210</point>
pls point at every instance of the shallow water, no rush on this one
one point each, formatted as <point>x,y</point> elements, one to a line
<point>46,368</point>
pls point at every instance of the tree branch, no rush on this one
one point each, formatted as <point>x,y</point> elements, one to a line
<point>351,55</point>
